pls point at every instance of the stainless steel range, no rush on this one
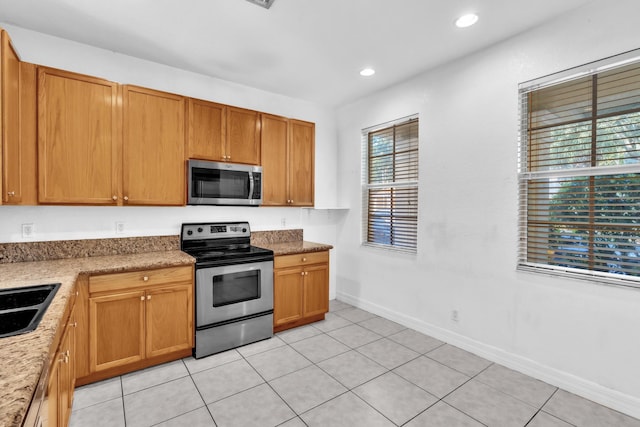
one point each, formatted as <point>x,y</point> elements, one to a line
<point>234,286</point>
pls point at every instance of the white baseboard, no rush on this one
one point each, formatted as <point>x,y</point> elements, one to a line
<point>624,403</point>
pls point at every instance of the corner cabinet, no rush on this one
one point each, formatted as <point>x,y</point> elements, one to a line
<point>153,147</point>
<point>300,289</point>
<point>288,148</point>
<point>78,139</point>
<point>18,117</point>
<point>137,319</point>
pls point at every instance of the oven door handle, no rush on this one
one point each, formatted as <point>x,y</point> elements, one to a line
<point>251,185</point>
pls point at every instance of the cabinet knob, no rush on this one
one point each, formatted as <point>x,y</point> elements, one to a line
<point>126,198</point>
<point>142,298</point>
<point>114,198</point>
<point>11,193</point>
<point>145,278</point>
<point>306,273</point>
<point>75,324</point>
<point>302,273</point>
<point>304,259</point>
<point>148,297</point>
<point>291,201</point>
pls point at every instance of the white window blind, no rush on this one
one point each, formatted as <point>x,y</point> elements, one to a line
<point>579,174</point>
<point>390,185</point>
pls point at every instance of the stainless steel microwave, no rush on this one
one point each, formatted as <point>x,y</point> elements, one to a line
<point>215,183</point>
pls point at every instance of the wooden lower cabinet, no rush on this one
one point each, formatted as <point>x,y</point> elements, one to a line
<point>301,289</point>
<point>56,409</point>
<point>116,334</point>
<point>137,319</point>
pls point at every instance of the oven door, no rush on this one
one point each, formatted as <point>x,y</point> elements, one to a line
<point>229,292</point>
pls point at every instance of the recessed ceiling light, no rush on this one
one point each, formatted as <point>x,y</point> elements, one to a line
<point>466,20</point>
<point>366,72</point>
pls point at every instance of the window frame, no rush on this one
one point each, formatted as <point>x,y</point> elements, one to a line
<point>403,184</point>
<point>525,176</point>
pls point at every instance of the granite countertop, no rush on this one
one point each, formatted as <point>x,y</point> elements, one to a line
<point>25,356</point>
<point>294,247</point>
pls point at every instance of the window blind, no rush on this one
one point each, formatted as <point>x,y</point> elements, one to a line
<point>579,176</point>
<point>390,190</point>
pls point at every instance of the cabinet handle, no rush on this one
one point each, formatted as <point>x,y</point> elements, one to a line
<point>148,297</point>
<point>11,193</point>
<point>114,198</point>
<point>74,324</point>
<point>142,298</point>
<point>145,278</point>
<point>126,198</point>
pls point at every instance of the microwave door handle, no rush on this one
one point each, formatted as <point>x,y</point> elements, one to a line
<point>251,185</point>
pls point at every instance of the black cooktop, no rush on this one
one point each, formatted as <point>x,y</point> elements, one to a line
<point>221,243</point>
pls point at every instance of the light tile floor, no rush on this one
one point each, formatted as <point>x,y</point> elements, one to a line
<point>352,369</point>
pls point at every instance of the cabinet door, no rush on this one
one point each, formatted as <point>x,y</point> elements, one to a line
<point>77,139</point>
<point>243,136</point>
<point>169,319</point>
<point>316,290</point>
<point>207,127</point>
<point>287,295</point>
<point>153,150</point>
<point>65,377</point>
<point>11,154</point>
<point>51,405</point>
<point>116,335</point>
<point>274,136</point>
<point>301,163</point>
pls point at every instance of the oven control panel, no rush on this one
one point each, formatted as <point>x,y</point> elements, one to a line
<point>215,230</point>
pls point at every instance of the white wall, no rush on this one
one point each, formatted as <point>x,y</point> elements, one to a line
<point>59,223</point>
<point>575,334</point>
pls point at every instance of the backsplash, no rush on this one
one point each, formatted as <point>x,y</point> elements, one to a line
<point>276,236</point>
<point>58,249</point>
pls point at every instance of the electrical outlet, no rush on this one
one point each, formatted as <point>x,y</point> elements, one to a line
<point>283,222</point>
<point>27,231</point>
<point>119,227</point>
<point>454,316</point>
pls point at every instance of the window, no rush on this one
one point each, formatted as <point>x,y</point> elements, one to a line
<point>390,189</point>
<point>579,173</point>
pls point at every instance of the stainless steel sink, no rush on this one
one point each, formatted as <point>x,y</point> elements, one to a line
<point>21,309</point>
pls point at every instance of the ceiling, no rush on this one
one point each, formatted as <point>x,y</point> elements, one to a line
<point>305,49</point>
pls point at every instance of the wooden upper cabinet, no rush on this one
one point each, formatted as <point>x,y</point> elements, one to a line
<point>243,136</point>
<point>207,130</point>
<point>78,139</point>
<point>301,162</point>
<point>222,133</point>
<point>274,160</point>
<point>18,154</point>
<point>287,161</point>
<point>153,147</point>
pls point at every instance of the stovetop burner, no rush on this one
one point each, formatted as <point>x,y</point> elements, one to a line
<point>218,243</point>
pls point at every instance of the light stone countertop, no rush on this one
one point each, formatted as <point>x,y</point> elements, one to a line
<point>23,357</point>
<point>294,247</point>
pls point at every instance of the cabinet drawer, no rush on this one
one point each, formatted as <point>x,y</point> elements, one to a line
<point>142,279</point>
<point>283,261</point>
